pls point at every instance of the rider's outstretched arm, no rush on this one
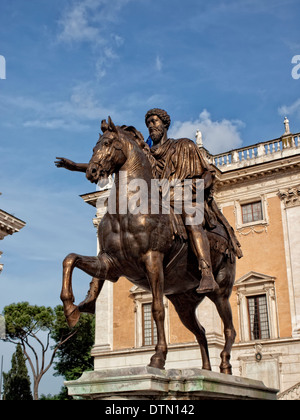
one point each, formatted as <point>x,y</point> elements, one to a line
<point>70,165</point>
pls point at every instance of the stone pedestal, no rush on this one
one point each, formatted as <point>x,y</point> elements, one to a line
<point>145,383</point>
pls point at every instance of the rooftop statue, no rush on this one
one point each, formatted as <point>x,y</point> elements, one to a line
<point>185,251</point>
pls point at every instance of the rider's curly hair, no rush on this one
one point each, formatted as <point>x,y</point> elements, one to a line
<point>163,115</point>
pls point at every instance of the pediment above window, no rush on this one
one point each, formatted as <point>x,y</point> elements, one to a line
<point>253,278</point>
<point>137,293</point>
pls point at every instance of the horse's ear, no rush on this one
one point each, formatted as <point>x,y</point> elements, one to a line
<point>104,126</point>
<point>111,125</point>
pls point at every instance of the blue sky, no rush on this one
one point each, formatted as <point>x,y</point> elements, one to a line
<point>223,67</point>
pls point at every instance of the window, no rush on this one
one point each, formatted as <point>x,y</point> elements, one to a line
<point>149,326</point>
<point>145,327</point>
<point>258,317</point>
<point>252,212</point>
<point>257,307</point>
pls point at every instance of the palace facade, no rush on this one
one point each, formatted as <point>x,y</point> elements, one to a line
<point>258,190</point>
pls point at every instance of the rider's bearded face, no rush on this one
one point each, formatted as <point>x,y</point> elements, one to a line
<point>156,128</point>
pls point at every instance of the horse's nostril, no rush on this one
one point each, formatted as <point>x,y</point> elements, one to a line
<point>94,170</point>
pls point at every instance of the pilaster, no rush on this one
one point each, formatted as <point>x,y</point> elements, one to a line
<point>290,198</point>
<point>104,304</point>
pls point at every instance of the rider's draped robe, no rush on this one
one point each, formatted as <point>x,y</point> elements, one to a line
<point>180,160</point>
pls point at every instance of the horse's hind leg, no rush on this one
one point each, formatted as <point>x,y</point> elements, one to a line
<point>90,265</point>
<point>225,278</point>
<point>185,305</point>
<point>224,309</point>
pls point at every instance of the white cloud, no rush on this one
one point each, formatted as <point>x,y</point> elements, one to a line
<point>74,113</point>
<point>82,104</point>
<point>93,22</point>
<point>76,24</point>
<point>118,40</point>
<point>55,124</point>
<point>23,102</point>
<point>293,109</point>
<point>107,57</point>
<point>218,136</point>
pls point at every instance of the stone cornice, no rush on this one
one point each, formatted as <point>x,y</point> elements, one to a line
<point>9,224</point>
<point>257,172</point>
<point>91,198</point>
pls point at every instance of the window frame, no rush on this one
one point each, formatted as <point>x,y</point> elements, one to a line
<point>252,212</point>
<point>250,285</point>
<point>141,297</point>
<point>238,204</point>
<point>153,326</point>
<point>257,312</point>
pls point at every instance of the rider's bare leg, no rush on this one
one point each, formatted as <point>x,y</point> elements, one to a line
<point>201,247</point>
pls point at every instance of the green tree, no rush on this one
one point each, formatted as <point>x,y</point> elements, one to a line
<point>31,327</point>
<point>16,382</point>
<point>74,357</point>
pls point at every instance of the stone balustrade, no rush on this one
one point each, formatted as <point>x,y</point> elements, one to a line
<point>287,145</point>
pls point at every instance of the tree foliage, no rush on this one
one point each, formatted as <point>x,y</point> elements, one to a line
<point>16,382</point>
<point>23,320</point>
<point>31,327</point>
<point>74,357</point>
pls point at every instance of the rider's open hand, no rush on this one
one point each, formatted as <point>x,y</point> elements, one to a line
<point>65,163</point>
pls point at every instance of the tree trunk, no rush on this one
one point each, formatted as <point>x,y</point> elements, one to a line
<point>36,383</point>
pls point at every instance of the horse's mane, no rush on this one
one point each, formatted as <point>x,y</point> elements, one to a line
<point>138,137</point>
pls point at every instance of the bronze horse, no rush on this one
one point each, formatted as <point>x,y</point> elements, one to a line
<point>142,247</point>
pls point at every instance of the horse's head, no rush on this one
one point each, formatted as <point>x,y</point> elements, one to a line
<point>108,155</point>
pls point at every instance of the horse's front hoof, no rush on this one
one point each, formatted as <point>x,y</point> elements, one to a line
<point>72,315</point>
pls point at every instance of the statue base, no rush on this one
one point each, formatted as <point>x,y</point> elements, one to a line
<point>146,383</point>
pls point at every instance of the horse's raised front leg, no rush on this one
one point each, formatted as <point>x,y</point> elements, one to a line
<point>154,266</point>
<point>90,265</point>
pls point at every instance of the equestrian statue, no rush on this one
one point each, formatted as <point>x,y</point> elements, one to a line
<point>164,252</point>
